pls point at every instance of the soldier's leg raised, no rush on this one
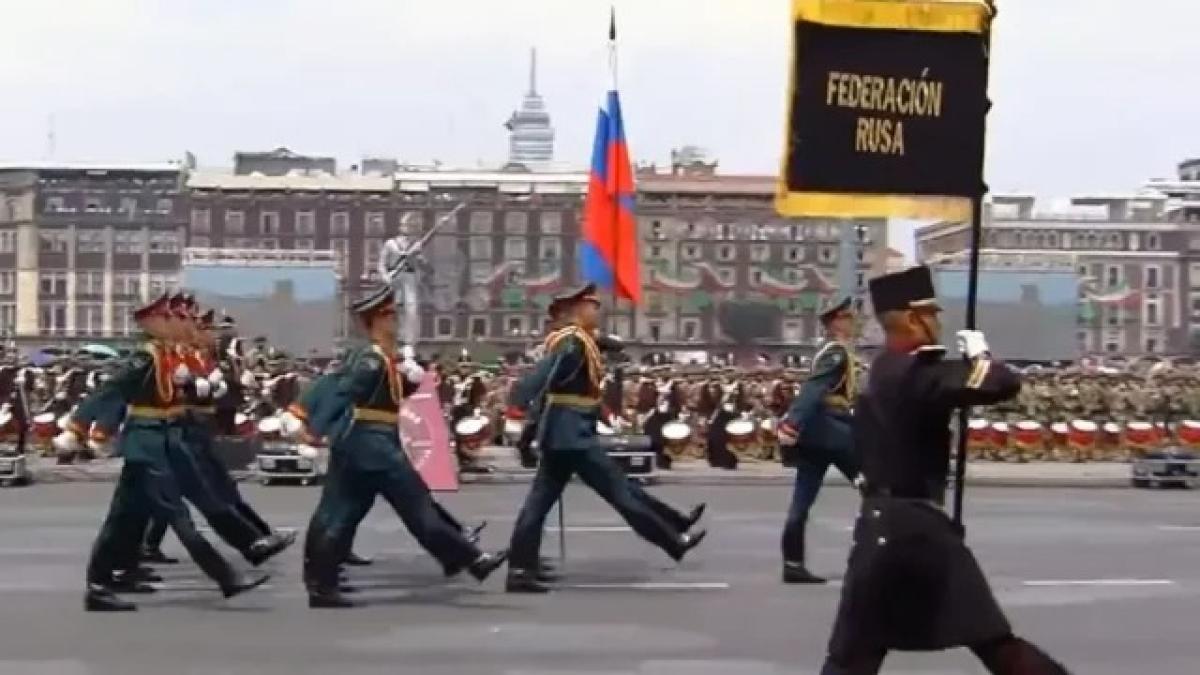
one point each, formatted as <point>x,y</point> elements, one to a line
<point>598,471</point>
<point>1011,655</point>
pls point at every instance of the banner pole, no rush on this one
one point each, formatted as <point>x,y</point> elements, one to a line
<point>964,414</point>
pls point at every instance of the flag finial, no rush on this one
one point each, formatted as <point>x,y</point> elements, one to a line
<point>612,23</point>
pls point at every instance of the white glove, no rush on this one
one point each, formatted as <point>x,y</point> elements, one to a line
<point>413,372</point>
<point>181,374</point>
<point>220,389</point>
<point>290,425</point>
<point>216,376</point>
<point>203,388</point>
<point>66,442</point>
<point>248,380</point>
<point>407,353</point>
<point>972,343</point>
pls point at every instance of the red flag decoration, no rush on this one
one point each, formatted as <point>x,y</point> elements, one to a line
<point>609,253</point>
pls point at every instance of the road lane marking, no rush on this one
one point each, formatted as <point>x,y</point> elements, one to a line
<point>594,528</point>
<point>1179,528</point>
<point>1099,582</point>
<point>657,586</point>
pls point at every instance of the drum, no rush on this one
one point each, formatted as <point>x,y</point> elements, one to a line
<point>8,423</point>
<point>1082,438</point>
<point>1189,433</point>
<point>513,428</point>
<point>44,427</point>
<point>269,428</point>
<point>766,430</point>
<point>999,433</point>
<point>1141,437</point>
<point>472,432</point>
<point>1029,438</point>
<point>978,436</point>
<point>741,433</point>
<point>676,436</point>
<point>1060,432</point>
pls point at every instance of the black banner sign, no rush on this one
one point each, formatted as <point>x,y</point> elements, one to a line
<point>886,112</point>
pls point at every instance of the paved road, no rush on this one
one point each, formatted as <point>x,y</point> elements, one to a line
<point>1109,581</point>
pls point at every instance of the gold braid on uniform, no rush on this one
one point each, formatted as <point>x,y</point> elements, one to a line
<point>163,383</point>
<point>591,352</point>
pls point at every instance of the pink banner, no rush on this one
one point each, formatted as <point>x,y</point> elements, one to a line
<point>426,438</point>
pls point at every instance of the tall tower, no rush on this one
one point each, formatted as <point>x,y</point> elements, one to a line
<point>531,138</point>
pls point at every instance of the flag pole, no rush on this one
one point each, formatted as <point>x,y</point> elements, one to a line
<point>960,455</point>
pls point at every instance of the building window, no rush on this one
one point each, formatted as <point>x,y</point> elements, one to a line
<point>656,230</point>
<point>375,224</point>
<point>481,222</point>
<point>1152,276</point>
<point>691,329</point>
<point>201,242</point>
<point>655,331</point>
<point>827,255</point>
<point>1151,345</point>
<point>516,248</point>
<point>371,250</point>
<point>514,326</point>
<point>726,252</point>
<point>164,242</point>
<point>341,247</point>
<point>1113,316</point>
<point>692,252</point>
<point>87,319</point>
<point>52,283</point>
<point>52,318</point>
<point>1152,313</point>
<point>760,253</point>
<point>410,222</point>
<point>756,276</point>
<point>306,223</point>
<point>89,283</point>
<point>52,242</point>
<point>656,251</point>
<point>1112,346</point>
<point>551,222</point>
<point>54,204</point>
<point>793,330</point>
<point>481,248</point>
<point>8,318</point>
<point>550,248</point>
<point>445,327</point>
<point>516,222</point>
<point>8,242</point>
<point>268,222</point>
<point>339,224</point>
<point>1153,241</point>
<point>1112,276</point>
<point>123,323</point>
<point>794,254</point>
<point>304,244</point>
<point>93,205</point>
<point>90,241</point>
<point>8,283</point>
<point>164,207</point>
<point>129,206</point>
<point>235,222</point>
<point>479,326</point>
<point>270,243</point>
<point>201,221</point>
<point>727,275</point>
<point>127,284</point>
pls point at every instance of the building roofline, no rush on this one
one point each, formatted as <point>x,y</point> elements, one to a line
<point>51,165</point>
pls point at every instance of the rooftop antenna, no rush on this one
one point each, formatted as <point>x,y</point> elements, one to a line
<point>533,71</point>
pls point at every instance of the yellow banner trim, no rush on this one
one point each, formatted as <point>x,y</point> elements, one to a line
<point>845,205</point>
<point>943,16</point>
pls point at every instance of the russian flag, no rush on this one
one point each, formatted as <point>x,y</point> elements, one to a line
<point>609,253</point>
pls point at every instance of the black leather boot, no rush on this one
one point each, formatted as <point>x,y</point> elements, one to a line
<point>97,598</point>
<point>524,581</point>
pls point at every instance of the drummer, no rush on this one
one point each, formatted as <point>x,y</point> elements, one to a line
<point>818,421</point>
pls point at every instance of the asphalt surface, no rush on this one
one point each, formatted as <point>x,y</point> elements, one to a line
<point>1107,581</point>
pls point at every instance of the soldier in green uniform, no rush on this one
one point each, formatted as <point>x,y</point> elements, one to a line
<point>147,485</point>
<point>372,463</point>
<point>569,378</point>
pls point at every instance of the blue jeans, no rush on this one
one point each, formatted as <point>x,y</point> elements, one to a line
<point>827,442</point>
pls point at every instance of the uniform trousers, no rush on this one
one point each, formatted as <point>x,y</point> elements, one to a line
<point>373,464</point>
<point>598,471</point>
<point>827,442</point>
<point>147,488</point>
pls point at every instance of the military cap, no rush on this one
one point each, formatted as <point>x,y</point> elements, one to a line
<point>179,306</point>
<point>910,289</point>
<point>207,319</point>
<point>832,311</point>
<point>585,293</point>
<point>227,322</point>
<point>376,298</point>
<point>160,306</point>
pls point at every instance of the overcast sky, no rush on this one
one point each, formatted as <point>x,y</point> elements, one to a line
<point>1090,95</point>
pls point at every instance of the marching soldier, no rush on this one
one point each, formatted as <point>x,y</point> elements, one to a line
<point>569,377</point>
<point>819,421</point>
<point>372,463</point>
<point>147,485</point>
<point>912,583</point>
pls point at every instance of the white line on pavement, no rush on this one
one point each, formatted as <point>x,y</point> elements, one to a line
<point>1179,528</point>
<point>659,586</point>
<point>1100,582</point>
<point>594,528</point>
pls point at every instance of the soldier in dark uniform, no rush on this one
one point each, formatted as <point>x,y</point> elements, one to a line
<point>147,486</point>
<point>372,463</point>
<point>912,584</point>
<point>569,377</point>
<point>818,421</point>
<point>529,432</point>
